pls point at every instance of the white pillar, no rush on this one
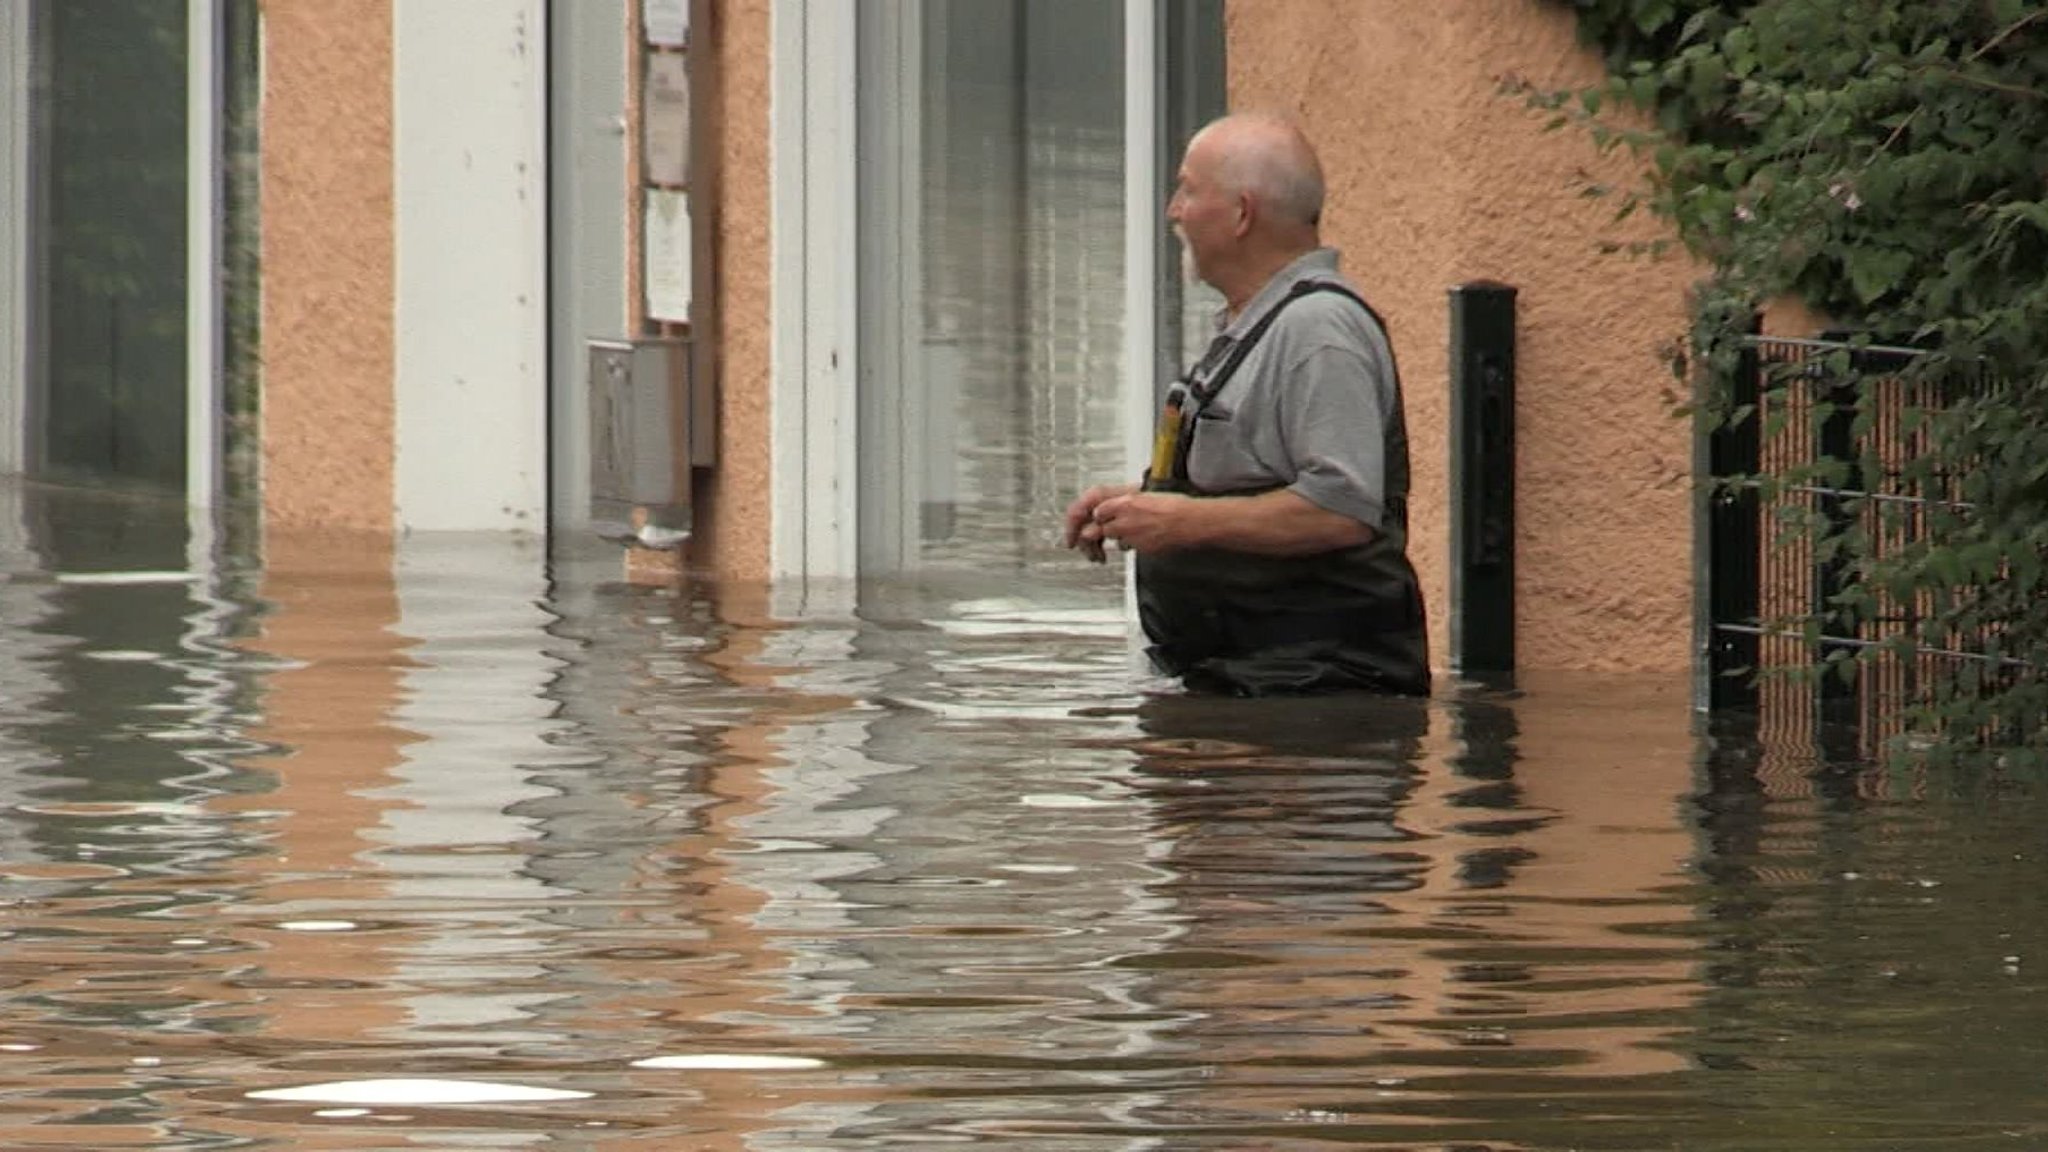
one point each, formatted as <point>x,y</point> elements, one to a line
<point>470,92</point>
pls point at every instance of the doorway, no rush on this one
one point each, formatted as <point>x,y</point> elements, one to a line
<point>991,276</point>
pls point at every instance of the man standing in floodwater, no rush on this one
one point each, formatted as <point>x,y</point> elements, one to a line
<point>1271,529</point>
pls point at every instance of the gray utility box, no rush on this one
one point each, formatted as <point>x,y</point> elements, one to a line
<point>645,436</point>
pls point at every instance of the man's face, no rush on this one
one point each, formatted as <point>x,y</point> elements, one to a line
<point>1205,216</point>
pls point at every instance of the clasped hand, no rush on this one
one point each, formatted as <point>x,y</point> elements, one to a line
<point>1123,515</point>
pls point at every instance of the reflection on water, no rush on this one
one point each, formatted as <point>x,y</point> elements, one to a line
<point>447,846</point>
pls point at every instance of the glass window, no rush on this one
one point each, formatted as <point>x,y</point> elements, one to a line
<point>107,268</point>
<point>104,182</point>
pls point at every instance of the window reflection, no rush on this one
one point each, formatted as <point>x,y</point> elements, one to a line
<point>1004,149</point>
<point>108,201</point>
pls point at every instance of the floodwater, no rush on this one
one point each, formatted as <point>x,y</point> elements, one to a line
<point>451,847</point>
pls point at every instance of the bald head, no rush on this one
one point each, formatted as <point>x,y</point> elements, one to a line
<point>1247,202</point>
<point>1268,158</point>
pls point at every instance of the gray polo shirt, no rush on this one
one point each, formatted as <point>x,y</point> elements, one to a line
<point>1309,407</point>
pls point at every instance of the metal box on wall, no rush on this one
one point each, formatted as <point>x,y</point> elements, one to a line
<point>641,434</point>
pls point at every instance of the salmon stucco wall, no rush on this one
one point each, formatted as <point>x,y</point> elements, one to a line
<point>1436,178</point>
<point>733,511</point>
<point>328,265</point>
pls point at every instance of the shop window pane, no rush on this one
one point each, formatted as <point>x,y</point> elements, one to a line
<point>108,193</point>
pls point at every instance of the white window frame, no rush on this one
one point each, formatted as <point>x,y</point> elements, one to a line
<point>814,357</point>
<point>1144,200</point>
<point>205,225</point>
<point>14,75</point>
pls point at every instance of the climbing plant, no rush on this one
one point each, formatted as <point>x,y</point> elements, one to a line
<point>1883,161</point>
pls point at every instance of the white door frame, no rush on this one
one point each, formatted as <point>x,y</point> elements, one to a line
<point>815,222</point>
<point>14,133</point>
<point>1144,199</point>
<point>205,174</point>
<point>815,355</point>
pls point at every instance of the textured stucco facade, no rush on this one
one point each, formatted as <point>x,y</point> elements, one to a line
<point>734,515</point>
<point>329,265</point>
<point>1436,178</point>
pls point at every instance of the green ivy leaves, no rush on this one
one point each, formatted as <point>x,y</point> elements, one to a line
<point>1887,161</point>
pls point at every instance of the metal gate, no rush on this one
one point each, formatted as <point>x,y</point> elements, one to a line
<point>1816,446</point>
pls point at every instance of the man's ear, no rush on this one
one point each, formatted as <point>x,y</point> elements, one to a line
<point>1246,210</point>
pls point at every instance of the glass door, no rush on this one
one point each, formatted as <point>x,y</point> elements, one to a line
<point>991,276</point>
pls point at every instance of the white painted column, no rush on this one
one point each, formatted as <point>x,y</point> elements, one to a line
<point>470,87</point>
<point>14,64</point>
<point>1143,218</point>
<point>814,356</point>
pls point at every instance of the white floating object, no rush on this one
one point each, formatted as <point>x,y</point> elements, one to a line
<point>20,1047</point>
<point>777,844</point>
<point>729,1061</point>
<point>1064,800</point>
<point>341,1113</point>
<point>318,925</point>
<point>416,1092</point>
<point>123,656</point>
<point>118,578</point>
<point>1038,869</point>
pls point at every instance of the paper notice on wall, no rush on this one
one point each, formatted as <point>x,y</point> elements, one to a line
<point>665,244</point>
<point>665,22</point>
<point>665,121</point>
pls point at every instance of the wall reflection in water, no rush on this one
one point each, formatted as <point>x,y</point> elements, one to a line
<point>456,812</point>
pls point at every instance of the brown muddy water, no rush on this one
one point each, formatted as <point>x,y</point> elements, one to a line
<point>450,846</point>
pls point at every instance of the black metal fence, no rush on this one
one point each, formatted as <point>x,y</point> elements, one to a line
<point>1819,448</point>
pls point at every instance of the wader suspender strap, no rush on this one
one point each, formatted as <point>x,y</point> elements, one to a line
<point>1199,395</point>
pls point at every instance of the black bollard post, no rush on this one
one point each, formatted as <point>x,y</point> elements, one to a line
<point>1482,476</point>
<point>1733,565</point>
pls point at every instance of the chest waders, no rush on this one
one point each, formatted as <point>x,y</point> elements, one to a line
<point>1249,625</point>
